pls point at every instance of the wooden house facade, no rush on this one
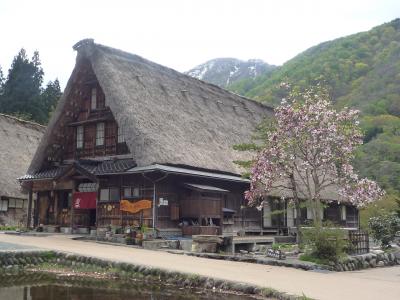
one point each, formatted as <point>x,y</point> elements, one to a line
<point>133,143</point>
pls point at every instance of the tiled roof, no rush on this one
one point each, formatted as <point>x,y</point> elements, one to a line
<point>45,174</point>
<point>96,168</point>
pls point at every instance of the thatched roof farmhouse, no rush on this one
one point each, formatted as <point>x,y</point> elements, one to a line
<point>135,143</point>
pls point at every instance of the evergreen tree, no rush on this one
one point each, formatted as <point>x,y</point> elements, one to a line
<point>1,83</point>
<point>22,88</point>
<point>50,97</point>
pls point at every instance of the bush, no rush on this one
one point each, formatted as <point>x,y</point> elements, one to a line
<point>8,228</point>
<point>325,243</point>
<point>384,228</point>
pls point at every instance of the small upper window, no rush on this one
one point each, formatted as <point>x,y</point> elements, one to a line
<point>79,137</point>
<point>110,194</point>
<point>121,134</point>
<point>100,134</point>
<point>93,99</point>
<point>11,203</point>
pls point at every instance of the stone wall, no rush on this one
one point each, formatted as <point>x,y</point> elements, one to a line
<point>369,260</point>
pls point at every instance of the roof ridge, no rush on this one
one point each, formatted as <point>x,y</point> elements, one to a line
<point>23,121</point>
<point>129,55</point>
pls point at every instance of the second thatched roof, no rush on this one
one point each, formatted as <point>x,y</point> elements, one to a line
<point>18,142</point>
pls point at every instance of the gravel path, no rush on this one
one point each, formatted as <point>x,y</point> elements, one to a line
<point>380,283</point>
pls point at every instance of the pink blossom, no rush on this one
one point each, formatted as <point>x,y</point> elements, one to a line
<point>315,144</point>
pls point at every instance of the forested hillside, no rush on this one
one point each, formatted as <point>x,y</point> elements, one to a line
<point>361,71</point>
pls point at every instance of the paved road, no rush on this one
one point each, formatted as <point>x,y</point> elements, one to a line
<point>14,247</point>
<point>380,283</point>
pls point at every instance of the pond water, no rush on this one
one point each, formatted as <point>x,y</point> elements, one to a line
<point>41,286</point>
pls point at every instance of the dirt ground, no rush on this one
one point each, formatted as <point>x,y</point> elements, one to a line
<point>379,283</point>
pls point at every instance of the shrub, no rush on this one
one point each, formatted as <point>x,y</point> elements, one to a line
<point>8,228</point>
<point>325,243</point>
<point>383,228</point>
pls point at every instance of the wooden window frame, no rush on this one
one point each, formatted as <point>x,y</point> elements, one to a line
<point>80,137</point>
<point>93,98</point>
<point>100,134</point>
<point>121,135</point>
<point>132,194</point>
<point>109,194</point>
<point>3,205</point>
<point>12,203</point>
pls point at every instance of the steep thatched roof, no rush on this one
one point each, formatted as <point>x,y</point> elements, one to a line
<point>170,118</point>
<point>18,142</point>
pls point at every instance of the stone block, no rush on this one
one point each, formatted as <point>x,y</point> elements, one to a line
<point>372,263</point>
<point>66,230</point>
<point>185,245</point>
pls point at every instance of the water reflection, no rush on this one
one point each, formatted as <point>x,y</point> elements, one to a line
<point>39,286</point>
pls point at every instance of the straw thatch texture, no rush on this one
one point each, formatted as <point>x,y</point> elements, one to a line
<point>170,118</point>
<point>18,142</point>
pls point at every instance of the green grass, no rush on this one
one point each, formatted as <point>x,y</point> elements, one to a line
<point>311,258</point>
<point>284,246</point>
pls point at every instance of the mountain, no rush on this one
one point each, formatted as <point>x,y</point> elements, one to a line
<point>360,71</point>
<point>227,71</point>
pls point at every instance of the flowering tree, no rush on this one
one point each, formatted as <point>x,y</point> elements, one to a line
<point>307,152</point>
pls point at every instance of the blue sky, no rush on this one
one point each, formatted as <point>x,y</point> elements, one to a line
<point>182,33</point>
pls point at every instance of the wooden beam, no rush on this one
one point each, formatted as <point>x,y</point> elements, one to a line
<point>28,222</point>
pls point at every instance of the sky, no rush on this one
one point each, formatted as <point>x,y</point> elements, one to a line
<point>181,33</point>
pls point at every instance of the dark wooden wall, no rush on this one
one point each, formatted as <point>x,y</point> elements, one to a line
<point>77,112</point>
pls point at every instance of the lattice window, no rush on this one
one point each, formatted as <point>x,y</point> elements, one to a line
<point>111,194</point>
<point>3,205</point>
<point>93,99</point>
<point>121,134</point>
<point>100,134</point>
<point>79,137</point>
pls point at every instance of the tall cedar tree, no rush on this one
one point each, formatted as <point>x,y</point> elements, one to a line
<point>50,96</point>
<point>22,94</point>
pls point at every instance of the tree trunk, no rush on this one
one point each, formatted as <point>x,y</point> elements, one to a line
<point>297,207</point>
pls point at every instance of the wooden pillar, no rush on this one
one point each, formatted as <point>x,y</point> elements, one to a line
<point>154,207</point>
<point>28,222</point>
<point>97,204</point>
<point>72,207</point>
<point>55,207</point>
<point>36,211</point>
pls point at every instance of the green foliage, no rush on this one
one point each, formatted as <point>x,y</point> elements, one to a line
<point>387,204</point>
<point>325,243</point>
<point>361,71</point>
<point>8,228</point>
<point>384,228</point>
<point>21,93</point>
<point>50,96</point>
<point>283,246</point>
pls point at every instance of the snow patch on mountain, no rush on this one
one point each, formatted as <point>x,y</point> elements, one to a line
<point>226,71</point>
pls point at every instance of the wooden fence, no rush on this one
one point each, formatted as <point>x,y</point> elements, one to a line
<point>359,240</point>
